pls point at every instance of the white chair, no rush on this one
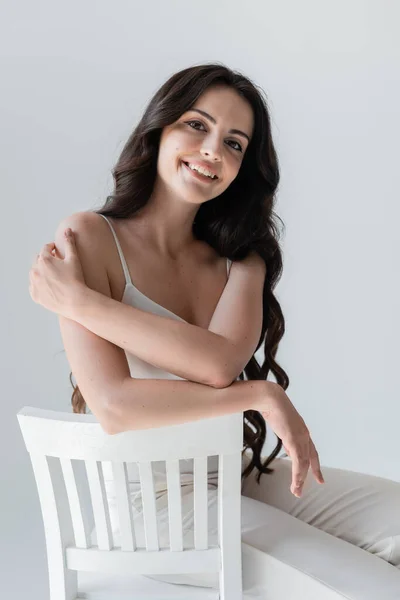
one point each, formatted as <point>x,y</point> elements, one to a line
<point>55,439</point>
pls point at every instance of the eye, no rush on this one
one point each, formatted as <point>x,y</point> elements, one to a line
<point>189,123</point>
<point>238,148</point>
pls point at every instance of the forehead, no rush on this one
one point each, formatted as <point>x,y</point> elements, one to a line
<point>227,107</point>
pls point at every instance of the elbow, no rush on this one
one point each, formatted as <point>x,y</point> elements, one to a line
<point>110,422</point>
<point>223,380</point>
<point>109,427</point>
<point>224,367</point>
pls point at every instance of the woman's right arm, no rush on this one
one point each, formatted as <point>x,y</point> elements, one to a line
<point>98,366</point>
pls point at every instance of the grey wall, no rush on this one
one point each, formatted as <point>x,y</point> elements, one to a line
<point>75,78</point>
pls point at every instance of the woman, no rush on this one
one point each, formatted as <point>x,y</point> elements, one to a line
<point>196,183</point>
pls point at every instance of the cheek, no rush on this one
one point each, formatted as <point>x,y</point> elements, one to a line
<point>168,150</point>
<point>173,146</point>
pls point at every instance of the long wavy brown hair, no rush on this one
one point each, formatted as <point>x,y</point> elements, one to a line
<point>231,226</point>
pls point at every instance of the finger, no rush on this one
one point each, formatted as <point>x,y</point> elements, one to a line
<point>300,466</point>
<point>70,238</point>
<point>315,464</point>
<point>47,250</point>
<point>56,252</point>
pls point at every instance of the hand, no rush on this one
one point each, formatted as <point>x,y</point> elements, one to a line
<point>289,426</point>
<point>56,282</point>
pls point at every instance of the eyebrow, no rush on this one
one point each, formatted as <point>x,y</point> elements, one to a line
<point>237,131</point>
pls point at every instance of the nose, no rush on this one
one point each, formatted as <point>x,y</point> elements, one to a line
<point>211,150</point>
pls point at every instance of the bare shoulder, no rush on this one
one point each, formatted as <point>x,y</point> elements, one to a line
<point>87,222</point>
<point>92,244</point>
<point>92,233</point>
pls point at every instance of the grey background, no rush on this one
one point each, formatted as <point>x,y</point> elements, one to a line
<point>75,78</point>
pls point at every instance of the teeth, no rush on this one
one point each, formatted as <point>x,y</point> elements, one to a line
<point>201,170</point>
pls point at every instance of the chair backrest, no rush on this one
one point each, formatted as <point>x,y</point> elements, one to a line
<point>55,439</point>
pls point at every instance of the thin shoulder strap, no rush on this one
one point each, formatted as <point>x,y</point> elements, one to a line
<point>121,254</point>
<point>228,265</point>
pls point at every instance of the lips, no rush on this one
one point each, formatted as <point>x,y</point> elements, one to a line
<point>200,175</point>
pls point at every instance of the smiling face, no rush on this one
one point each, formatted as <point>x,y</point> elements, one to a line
<point>213,135</point>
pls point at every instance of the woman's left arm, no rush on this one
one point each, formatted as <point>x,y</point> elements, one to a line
<point>214,356</point>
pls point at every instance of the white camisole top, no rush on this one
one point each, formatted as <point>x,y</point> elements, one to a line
<point>141,369</point>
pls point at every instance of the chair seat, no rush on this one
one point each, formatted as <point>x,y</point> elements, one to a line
<point>281,556</point>
<point>99,586</point>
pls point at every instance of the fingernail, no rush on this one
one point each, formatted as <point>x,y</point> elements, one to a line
<point>68,232</point>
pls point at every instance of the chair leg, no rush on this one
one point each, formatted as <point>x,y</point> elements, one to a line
<point>230,576</point>
<point>63,582</point>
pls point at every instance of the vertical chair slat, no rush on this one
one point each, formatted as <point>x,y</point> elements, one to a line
<point>149,506</point>
<point>81,538</point>
<point>124,506</point>
<point>99,500</point>
<point>63,584</point>
<point>200,503</point>
<point>229,526</point>
<point>174,505</point>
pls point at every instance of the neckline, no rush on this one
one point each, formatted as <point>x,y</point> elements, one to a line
<point>128,280</point>
<point>129,283</point>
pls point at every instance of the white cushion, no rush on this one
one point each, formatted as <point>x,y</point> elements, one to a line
<point>281,555</point>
